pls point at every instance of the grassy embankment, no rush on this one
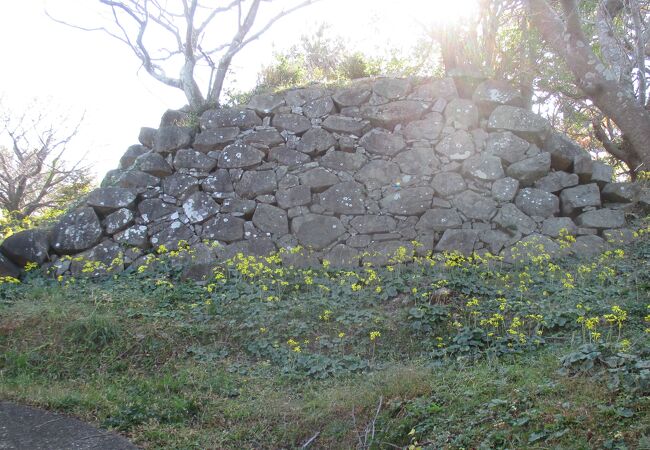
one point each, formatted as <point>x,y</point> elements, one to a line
<point>445,352</point>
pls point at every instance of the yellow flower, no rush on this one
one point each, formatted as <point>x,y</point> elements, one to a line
<point>374,335</point>
<point>625,345</point>
<point>341,334</point>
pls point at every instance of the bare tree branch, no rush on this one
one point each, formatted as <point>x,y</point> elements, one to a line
<point>135,22</point>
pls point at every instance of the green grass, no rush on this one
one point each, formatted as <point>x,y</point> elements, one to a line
<point>171,365</point>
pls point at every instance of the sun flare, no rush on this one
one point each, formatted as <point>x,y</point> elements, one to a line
<point>448,12</point>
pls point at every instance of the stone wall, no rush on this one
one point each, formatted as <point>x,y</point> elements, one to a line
<point>352,174</point>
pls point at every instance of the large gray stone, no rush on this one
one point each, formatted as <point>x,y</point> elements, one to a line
<point>408,202</point>
<point>342,256</point>
<point>390,114</point>
<point>317,232</point>
<point>563,151</point>
<point>371,224</point>
<point>238,207</point>
<point>229,117</point>
<point>107,253</point>
<point>443,88</point>
<point>535,202</point>
<point>135,236</point>
<point>601,173</point>
<point>27,246</point>
<point>294,196</point>
<point>171,138</point>
<point>507,146</point>
<point>153,209</point>
<point>588,246</point>
<point>191,159</point>
<point>520,121</point>
<point>218,182</point>
<point>529,170</point>
<point>511,218</point>
<point>475,206</point>
<point>240,156</point>
<point>223,227</point>
<point>343,161</point>
<point>316,141</point>
<point>344,198</point>
<point>209,140</point>
<point>601,219</point>
<point>269,137</point>
<point>199,207</point>
<point>448,183</point>
<point>419,161</point>
<point>346,125</point>
<point>505,189</point>
<point>462,241</point>
<point>298,97</point>
<point>108,199</point>
<point>172,234</point>
<point>557,226</point>
<point>352,96</point>
<point>153,164</point>
<point>462,114</point>
<point>381,142</point>
<point>319,107</point>
<point>118,220</point>
<point>254,183</point>
<point>8,268</point>
<point>135,179</point>
<point>76,231</point>
<point>271,219</point>
<point>428,128</point>
<point>288,157</point>
<point>318,179</point>
<point>492,93</point>
<point>146,136</point>
<point>483,167</point>
<point>392,88</point>
<point>180,186</point>
<point>457,146</point>
<point>378,173</point>
<point>131,155</point>
<point>266,103</point>
<point>294,123</point>
<point>575,198</point>
<point>555,181</point>
<point>495,240</point>
<point>439,219</point>
<point>621,192</point>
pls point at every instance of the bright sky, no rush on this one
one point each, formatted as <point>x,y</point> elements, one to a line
<point>81,71</point>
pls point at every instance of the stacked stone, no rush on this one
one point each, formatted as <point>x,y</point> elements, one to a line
<point>352,174</point>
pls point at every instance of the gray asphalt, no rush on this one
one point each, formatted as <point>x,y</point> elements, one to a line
<point>27,428</point>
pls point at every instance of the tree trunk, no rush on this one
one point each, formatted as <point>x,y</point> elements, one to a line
<point>567,39</point>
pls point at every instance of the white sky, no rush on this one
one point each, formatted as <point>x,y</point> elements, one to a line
<point>81,71</point>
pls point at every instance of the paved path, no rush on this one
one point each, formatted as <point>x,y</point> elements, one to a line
<point>26,428</point>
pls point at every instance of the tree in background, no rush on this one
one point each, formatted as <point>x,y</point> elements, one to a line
<point>326,58</point>
<point>167,35</point>
<point>582,64</point>
<point>36,179</point>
